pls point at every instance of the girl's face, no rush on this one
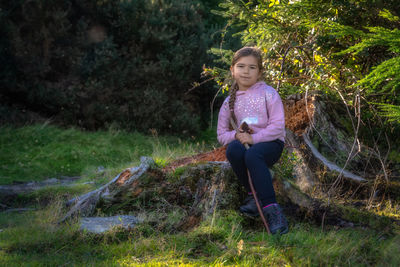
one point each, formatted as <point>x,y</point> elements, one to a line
<point>246,72</point>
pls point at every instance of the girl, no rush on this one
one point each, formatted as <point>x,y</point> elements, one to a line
<point>259,105</point>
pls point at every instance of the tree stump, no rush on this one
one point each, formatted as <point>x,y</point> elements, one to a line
<point>194,187</point>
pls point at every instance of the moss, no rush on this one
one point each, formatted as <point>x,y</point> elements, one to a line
<point>365,218</point>
<point>179,171</point>
<point>285,167</point>
<point>394,156</point>
<point>315,142</point>
<point>160,162</point>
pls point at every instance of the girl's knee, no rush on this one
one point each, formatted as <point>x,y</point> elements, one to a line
<point>235,150</point>
<point>252,156</point>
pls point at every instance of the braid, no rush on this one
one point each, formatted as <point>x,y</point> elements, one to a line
<point>232,99</point>
<point>243,52</point>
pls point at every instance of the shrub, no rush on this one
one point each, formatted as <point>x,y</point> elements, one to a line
<point>97,63</point>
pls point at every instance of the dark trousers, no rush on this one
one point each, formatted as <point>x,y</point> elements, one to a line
<point>256,159</point>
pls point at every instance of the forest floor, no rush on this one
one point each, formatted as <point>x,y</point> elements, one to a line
<point>33,237</point>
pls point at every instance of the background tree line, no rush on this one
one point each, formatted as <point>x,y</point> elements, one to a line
<point>101,63</point>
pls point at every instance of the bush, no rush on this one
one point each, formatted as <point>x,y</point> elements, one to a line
<point>97,63</point>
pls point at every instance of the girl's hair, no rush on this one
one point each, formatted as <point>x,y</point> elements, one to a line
<point>243,52</point>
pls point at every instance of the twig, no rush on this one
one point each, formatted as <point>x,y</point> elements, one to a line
<point>281,74</point>
<point>212,106</point>
<point>18,210</point>
<point>357,108</point>
<point>199,84</point>
<point>371,197</point>
<point>377,153</point>
<point>311,120</point>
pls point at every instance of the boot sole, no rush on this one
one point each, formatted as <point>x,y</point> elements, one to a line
<point>281,231</point>
<point>249,214</point>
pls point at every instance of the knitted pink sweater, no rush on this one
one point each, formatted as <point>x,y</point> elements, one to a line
<point>261,108</point>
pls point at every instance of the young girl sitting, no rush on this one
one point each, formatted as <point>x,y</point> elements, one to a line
<point>260,106</point>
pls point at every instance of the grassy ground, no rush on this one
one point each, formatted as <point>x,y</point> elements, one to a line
<point>35,153</point>
<point>225,239</point>
<point>228,240</point>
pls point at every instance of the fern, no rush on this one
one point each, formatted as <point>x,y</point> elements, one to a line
<point>385,78</point>
<point>377,36</point>
<point>390,111</point>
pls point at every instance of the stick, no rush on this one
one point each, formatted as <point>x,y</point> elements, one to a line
<point>253,191</point>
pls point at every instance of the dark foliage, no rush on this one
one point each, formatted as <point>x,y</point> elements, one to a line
<point>97,63</point>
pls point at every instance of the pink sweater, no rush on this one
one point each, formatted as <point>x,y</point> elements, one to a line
<point>261,107</point>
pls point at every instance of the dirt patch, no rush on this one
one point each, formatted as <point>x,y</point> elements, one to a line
<point>297,116</point>
<point>217,154</point>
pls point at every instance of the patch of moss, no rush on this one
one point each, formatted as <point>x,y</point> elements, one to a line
<point>178,172</point>
<point>394,156</point>
<point>284,168</point>
<point>365,218</point>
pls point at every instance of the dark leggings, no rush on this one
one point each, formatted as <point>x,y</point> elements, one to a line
<point>256,159</point>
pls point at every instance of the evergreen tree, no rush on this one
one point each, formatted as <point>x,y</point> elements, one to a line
<point>333,46</point>
<point>97,63</point>
<point>383,79</point>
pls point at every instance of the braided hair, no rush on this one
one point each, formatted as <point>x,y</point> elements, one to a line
<point>243,52</point>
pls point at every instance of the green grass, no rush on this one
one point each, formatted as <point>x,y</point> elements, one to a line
<point>39,152</point>
<point>35,153</point>
<point>33,238</point>
<point>227,240</point>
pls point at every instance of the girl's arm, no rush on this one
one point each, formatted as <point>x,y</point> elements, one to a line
<point>224,134</point>
<point>276,121</point>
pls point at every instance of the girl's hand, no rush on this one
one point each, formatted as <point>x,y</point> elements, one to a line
<point>244,128</point>
<point>244,138</point>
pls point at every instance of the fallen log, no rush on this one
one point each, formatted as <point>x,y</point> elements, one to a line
<point>8,191</point>
<point>85,204</point>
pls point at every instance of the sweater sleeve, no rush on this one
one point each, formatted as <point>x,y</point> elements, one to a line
<point>276,121</point>
<point>224,134</point>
